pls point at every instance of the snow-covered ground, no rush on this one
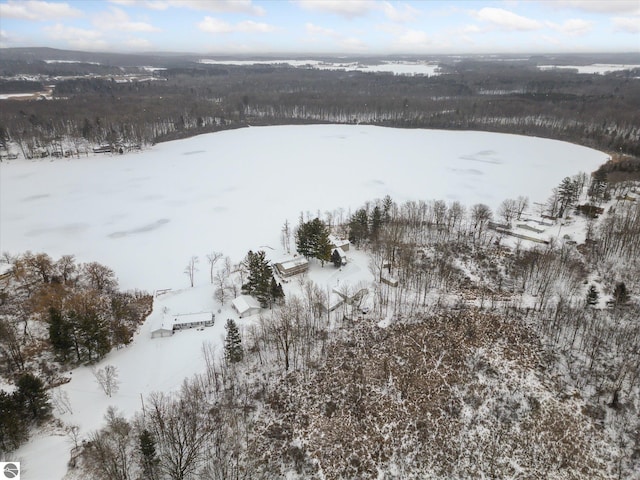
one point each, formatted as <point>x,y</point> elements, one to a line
<point>145,214</point>
<point>599,68</point>
<point>395,67</point>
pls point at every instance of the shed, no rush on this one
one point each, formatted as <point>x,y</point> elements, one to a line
<point>343,256</point>
<point>246,306</point>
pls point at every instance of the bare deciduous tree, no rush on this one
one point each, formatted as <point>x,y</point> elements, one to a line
<point>213,258</point>
<point>107,378</point>
<point>191,268</point>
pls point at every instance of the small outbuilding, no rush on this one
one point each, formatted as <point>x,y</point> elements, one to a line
<point>246,306</point>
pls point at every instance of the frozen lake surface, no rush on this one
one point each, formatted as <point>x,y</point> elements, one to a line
<point>145,214</point>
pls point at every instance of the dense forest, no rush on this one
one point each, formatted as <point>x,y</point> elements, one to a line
<point>128,106</point>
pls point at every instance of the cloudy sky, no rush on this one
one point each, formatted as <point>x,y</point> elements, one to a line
<point>324,26</point>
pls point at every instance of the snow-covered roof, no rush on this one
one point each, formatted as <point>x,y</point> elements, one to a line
<point>184,318</point>
<point>245,303</point>
<point>169,320</point>
<point>340,252</point>
<point>293,262</point>
<point>337,242</point>
<point>5,268</point>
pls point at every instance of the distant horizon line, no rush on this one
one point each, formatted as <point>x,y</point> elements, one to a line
<point>281,54</point>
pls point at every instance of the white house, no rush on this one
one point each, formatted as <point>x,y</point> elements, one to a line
<point>172,323</point>
<point>246,305</point>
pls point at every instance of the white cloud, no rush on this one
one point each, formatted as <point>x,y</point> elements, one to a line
<point>405,13</point>
<point>214,25</point>
<point>215,6</point>
<point>37,10</point>
<point>413,38</point>
<point>506,20</point>
<point>4,38</point>
<point>626,24</point>
<point>573,26</point>
<point>118,20</point>
<point>550,40</point>
<point>138,43</point>
<point>77,37</point>
<point>348,9</point>
<point>631,7</point>
<point>316,30</point>
<point>352,43</point>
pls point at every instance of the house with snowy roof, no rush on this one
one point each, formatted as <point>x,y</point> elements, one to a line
<point>172,323</point>
<point>292,266</point>
<point>339,243</point>
<point>246,306</point>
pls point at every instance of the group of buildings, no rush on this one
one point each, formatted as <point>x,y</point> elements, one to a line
<point>246,305</point>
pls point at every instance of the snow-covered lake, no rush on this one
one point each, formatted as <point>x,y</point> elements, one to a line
<point>395,67</point>
<point>145,214</point>
<point>596,68</point>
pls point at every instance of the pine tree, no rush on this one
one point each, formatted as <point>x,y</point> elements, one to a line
<point>592,295</point>
<point>259,278</point>
<point>33,396</point>
<point>359,227</point>
<point>620,294</point>
<point>376,223</point>
<point>13,422</point>
<point>312,240</point>
<point>336,259</point>
<point>148,456</point>
<point>232,342</point>
<point>323,252</point>
<point>60,333</point>
<point>277,293</point>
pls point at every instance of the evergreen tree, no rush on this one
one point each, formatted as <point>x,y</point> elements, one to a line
<point>312,240</point>
<point>568,193</point>
<point>336,259</point>
<point>60,334</point>
<point>277,293</point>
<point>598,187</point>
<point>359,227</point>
<point>376,223</point>
<point>323,252</point>
<point>232,342</point>
<point>620,294</point>
<point>13,424</point>
<point>148,456</point>
<point>387,205</point>
<point>259,278</point>
<point>592,295</point>
<point>33,396</point>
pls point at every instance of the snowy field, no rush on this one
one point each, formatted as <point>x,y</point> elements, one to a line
<point>397,68</point>
<point>596,68</point>
<point>145,214</point>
